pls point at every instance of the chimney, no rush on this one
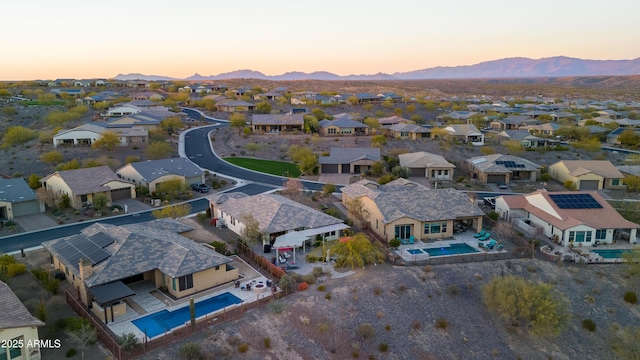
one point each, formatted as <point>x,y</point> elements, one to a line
<point>86,269</point>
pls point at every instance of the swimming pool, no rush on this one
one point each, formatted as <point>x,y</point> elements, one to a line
<point>414,251</point>
<point>611,254</point>
<point>159,322</point>
<point>452,249</point>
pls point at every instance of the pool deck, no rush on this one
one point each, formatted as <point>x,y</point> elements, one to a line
<point>586,254</point>
<point>149,300</point>
<point>464,237</point>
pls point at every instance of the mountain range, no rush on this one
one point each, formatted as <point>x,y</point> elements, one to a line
<point>517,67</point>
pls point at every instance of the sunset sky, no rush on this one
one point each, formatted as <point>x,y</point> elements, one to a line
<point>44,39</point>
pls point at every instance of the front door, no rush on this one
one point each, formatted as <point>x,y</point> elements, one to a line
<point>403,231</point>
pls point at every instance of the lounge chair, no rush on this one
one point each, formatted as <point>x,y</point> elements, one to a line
<point>411,239</point>
<point>485,237</point>
<point>282,260</point>
<point>404,241</point>
<point>480,234</point>
<point>499,247</point>
<point>490,244</point>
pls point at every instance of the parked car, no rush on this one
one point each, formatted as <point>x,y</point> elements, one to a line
<point>200,187</point>
<point>502,185</point>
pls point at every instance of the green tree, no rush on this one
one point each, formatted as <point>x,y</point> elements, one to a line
<point>513,147</point>
<point>625,342</point>
<point>311,124</point>
<point>172,124</point>
<point>52,157</point>
<point>83,336</point>
<point>9,110</point>
<point>356,251</point>
<point>569,185</point>
<point>328,189</point>
<point>108,141</point>
<point>411,109</point>
<point>100,201</point>
<point>378,140</point>
<point>60,118</point>
<point>397,112</point>
<point>629,138</point>
<point>69,165</point>
<point>357,210</point>
<point>590,145</point>
<point>632,182</point>
<point>34,181</point>
<point>127,341</point>
<point>17,135</point>
<point>372,122</point>
<point>377,168</point>
<point>352,100</point>
<point>538,306</point>
<point>238,121</point>
<point>308,164</point>
<point>158,150</point>
<point>263,107</point>
<point>173,211</point>
<point>251,233</point>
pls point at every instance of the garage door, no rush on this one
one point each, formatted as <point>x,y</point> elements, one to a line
<point>329,168</point>
<point>589,184</point>
<point>120,194</point>
<point>496,178</point>
<point>26,208</point>
<point>346,168</point>
<point>418,172</point>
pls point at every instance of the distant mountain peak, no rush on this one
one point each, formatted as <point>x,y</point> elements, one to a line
<point>513,67</point>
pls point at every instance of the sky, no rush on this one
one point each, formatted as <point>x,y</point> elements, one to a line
<point>44,39</point>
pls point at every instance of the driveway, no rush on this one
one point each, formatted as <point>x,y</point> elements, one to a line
<point>133,205</point>
<point>35,222</point>
<point>336,179</point>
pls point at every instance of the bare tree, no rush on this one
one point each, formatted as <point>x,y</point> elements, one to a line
<point>251,232</point>
<point>504,229</point>
<point>357,210</point>
<point>292,187</point>
<point>83,336</point>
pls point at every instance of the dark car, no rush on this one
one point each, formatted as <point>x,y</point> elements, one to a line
<point>502,185</point>
<point>200,187</point>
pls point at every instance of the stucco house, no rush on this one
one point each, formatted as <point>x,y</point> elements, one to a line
<point>499,168</point>
<point>342,126</point>
<point>275,214</point>
<point>402,208</point>
<point>87,134</point>
<point>348,160</point>
<point>151,173</point>
<point>103,259</point>
<point>582,218</point>
<point>82,185</point>
<point>17,325</point>
<point>588,174</point>
<point>17,199</point>
<point>230,105</point>
<point>465,133</point>
<point>392,120</point>
<point>424,164</point>
<point>407,131</point>
<point>277,122</point>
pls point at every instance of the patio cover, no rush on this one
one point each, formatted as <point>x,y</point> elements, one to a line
<point>324,229</point>
<point>112,292</point>
<point>291,239</point>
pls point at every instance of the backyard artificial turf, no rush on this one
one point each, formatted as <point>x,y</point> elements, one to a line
<point>266,166</point>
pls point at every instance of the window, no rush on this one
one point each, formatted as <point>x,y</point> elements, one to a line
<point>443,227</point>
<point>376,224</point>
<point>433,173</point>
<point>217,267</point>
<point>435,228</point>
<point>16,352</point>
<point>403,231</point>
<point>174,284</point>
<point>572,235</point>
<point>404,134</point>
<point>601,234</point>
<point>333,233</point>
<point>331,130</point>
<point>588,239</point>
<point>580,236</point>
<point>615,182</point>
<point>186,282</point>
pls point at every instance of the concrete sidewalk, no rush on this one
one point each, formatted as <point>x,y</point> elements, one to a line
<point>35,222</point>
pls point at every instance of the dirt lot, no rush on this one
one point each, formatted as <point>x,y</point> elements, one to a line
<point>403,305</point>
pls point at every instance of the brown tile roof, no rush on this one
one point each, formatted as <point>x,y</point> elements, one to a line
<point>87,180</point>
<point>603,168</point>
<point>14,314</point>
<point>277,119</point>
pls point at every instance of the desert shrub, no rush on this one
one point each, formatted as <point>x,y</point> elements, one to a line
<point>41,311</point>
<point>303,286</point>
<point>317,271</point>
<point>383,347</point>
<point>220,247</point>
<point>244,347</point>
<point>589,325</point>
<point>387,327</point>
<point>569,185</point>
<point>190,351</point>
<point>402,287</point>
<point>277,307</point>
<point>545,177</point>
<point>493,215</point>
<point>416,324</point>
<point>312,259</point>
<point>71,353</point>
<point>321,288</point>
<point>394,243</point>
<point>377,290</point>
<point>309,279</point>
<point>267,342</point>
<point>127,341</point>
<point>453,290</point>
<point>366,331</point>
<point>442,324</point>
<point>630,297</point>
<point>427,268</point>
<point>327,296</point>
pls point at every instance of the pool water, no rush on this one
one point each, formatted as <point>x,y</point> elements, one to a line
<point>611,254</point>
<point>159,322</point>
<point>414,251</point>
<point>452,249</point>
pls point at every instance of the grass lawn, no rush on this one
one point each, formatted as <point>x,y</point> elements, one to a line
<point>266,166</point>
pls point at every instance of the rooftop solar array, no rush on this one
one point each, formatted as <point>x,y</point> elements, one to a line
<point>79,247</point>
<point>575,201</point>
<point>509,164</point>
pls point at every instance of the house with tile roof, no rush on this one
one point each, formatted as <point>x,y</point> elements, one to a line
<point>467,133</point>
<point>499,168</point>
<point>424,164</point>
<point>581,217</point>
<point>17,324</point>
<point>348,160</point>
<point>392,120</point>
<point>275,123</point>
<point>525,139</point>
<point>17,199</point>
<point>402,208</point>
<point>513,122</point>
<point>89,133</point>
<point>588,174</point>
<point>103,259</point>
<point>230,105</point>
<point>407,131</point>
<point>152,173</point>
<point>275,214</point>
<point>82,185</point>
<point>342,126</point>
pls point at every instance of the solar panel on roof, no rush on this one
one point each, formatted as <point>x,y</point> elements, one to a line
<point>575,201</point>
<point>102,240</point>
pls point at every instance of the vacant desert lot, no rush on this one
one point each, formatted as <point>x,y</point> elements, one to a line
<point>403,304</point>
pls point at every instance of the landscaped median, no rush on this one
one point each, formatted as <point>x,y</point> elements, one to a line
<point>272,167</point>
